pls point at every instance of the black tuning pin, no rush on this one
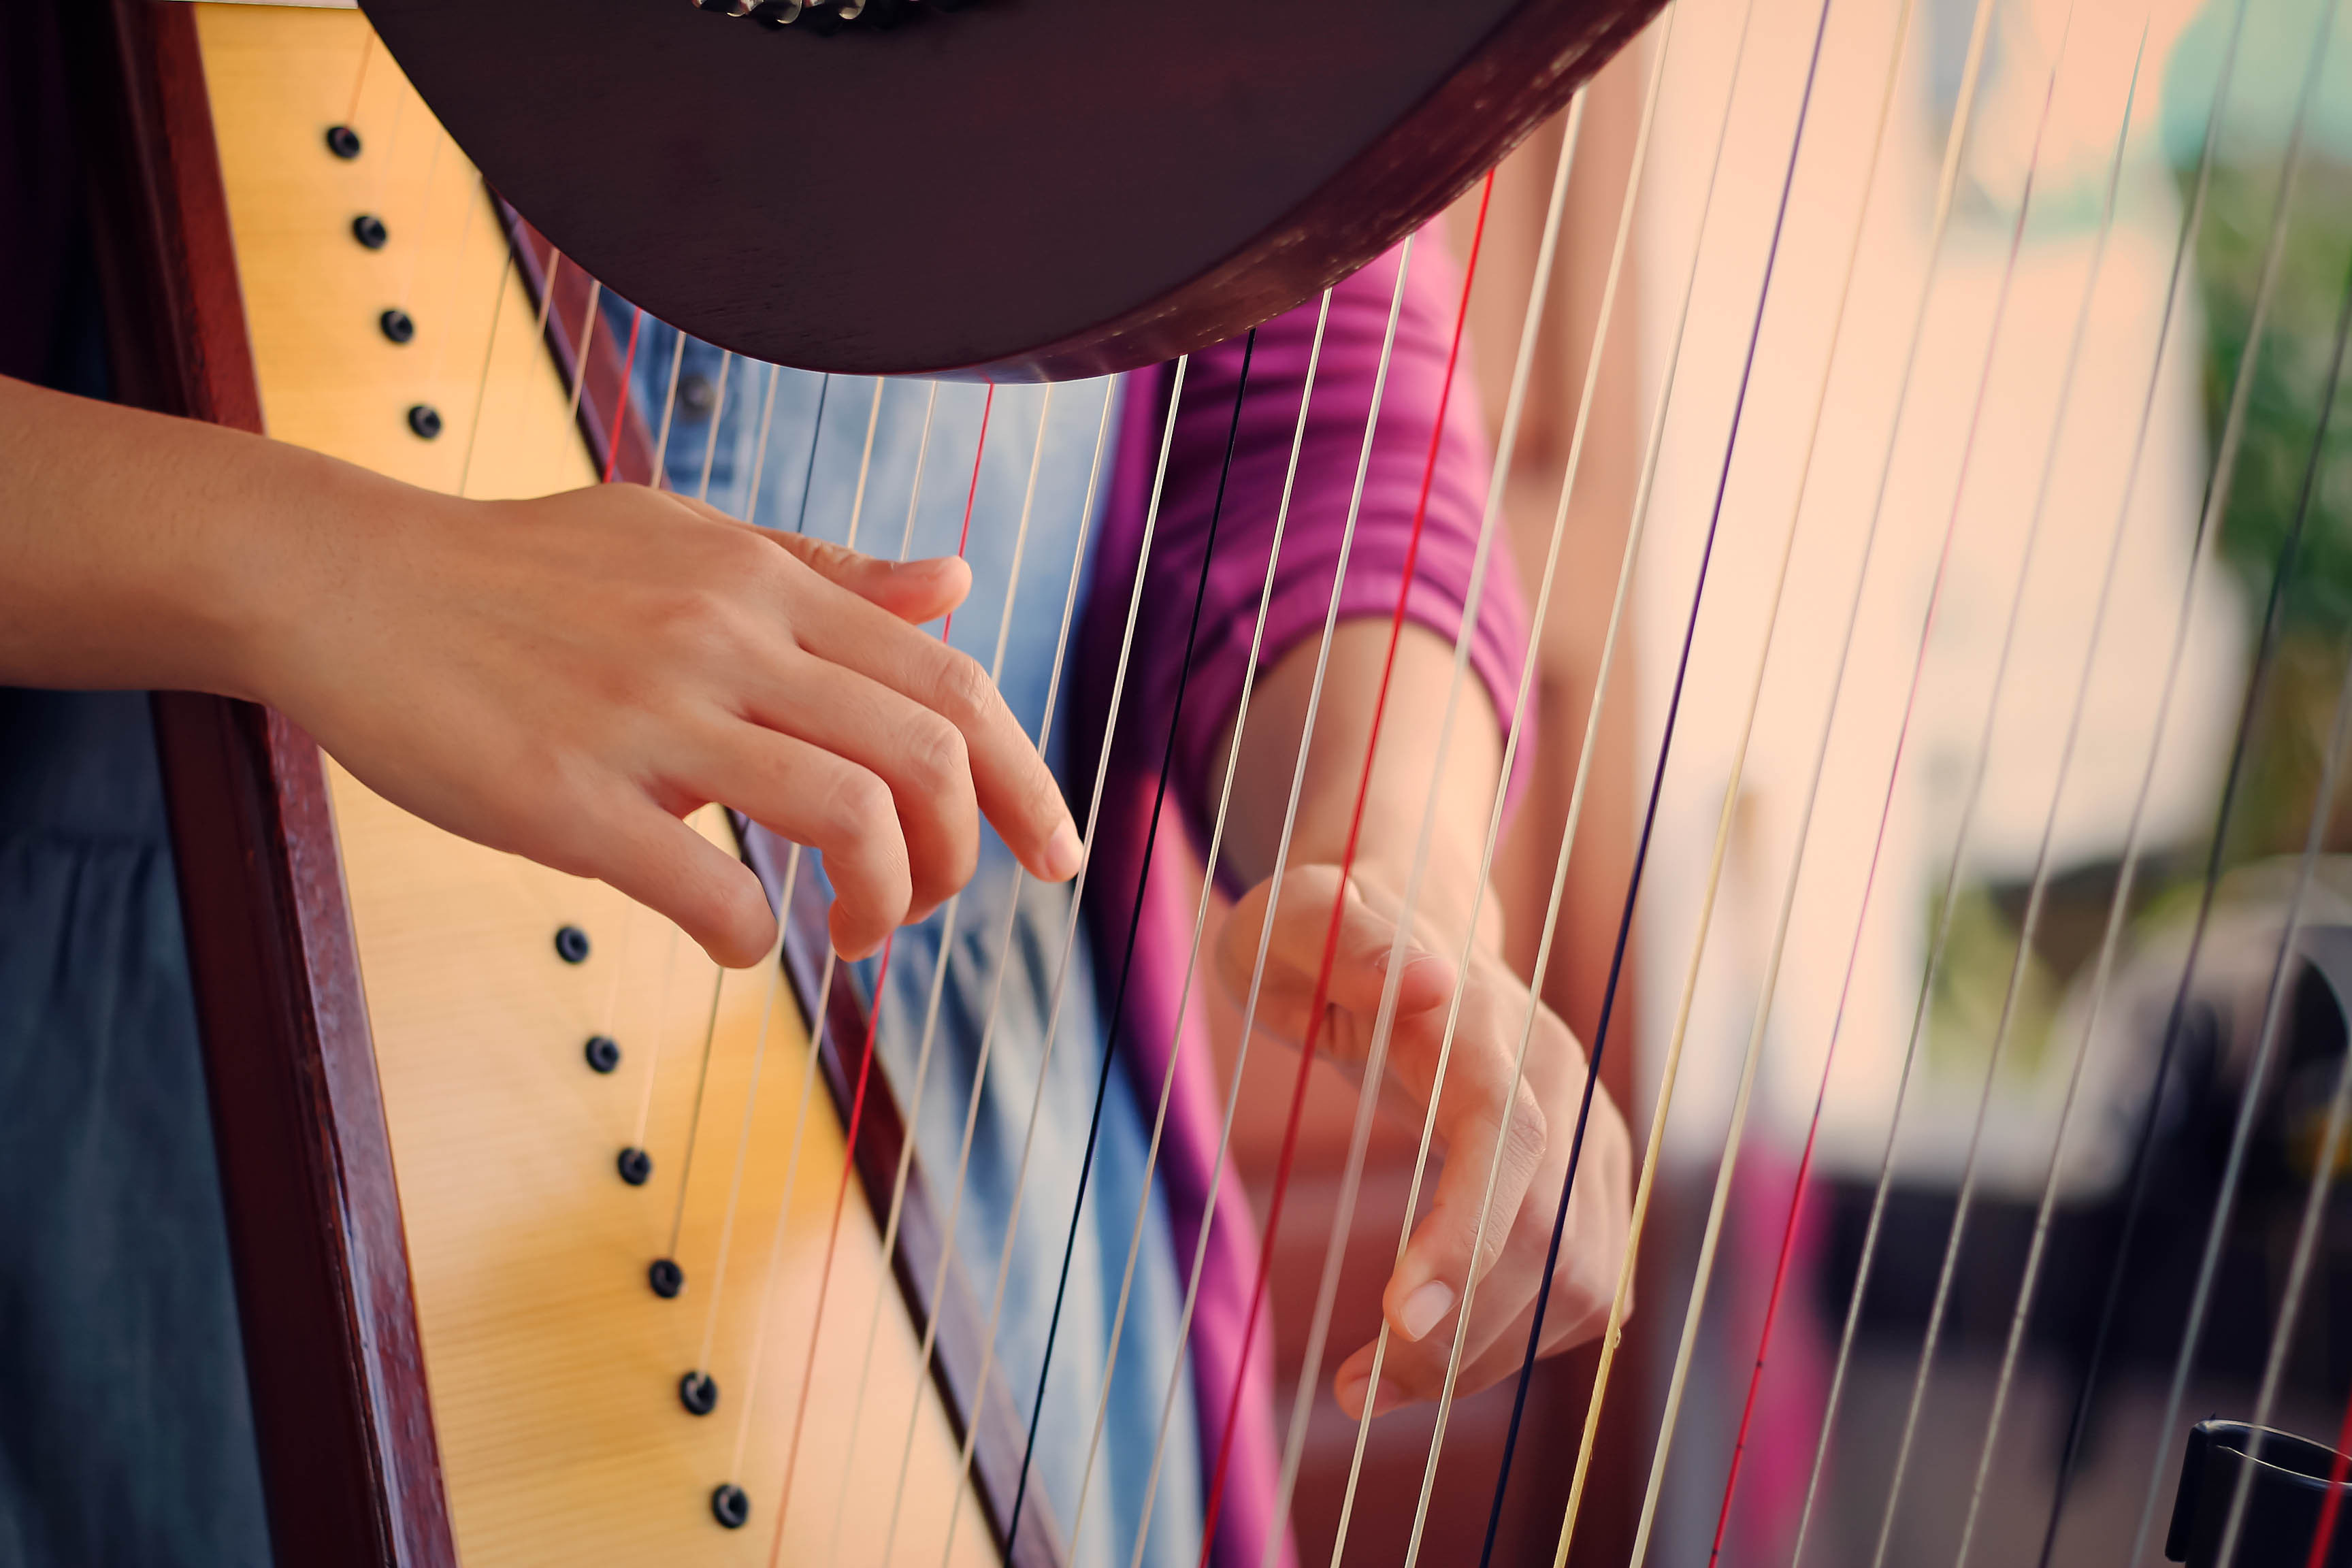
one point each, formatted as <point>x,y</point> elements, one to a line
<point>699,1392</point>
<point>572,945</point>
<point>666,1279</point>
<point>424,423</point>
<point>725,7</point>
<point>397,324</point>
<point>342,141</point>
<point>729,1506</point>
<point>368,230</point>
<point>604,1052</point>
<point>636,1165</point>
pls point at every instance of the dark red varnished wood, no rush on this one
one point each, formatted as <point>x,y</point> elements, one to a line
<point>350,1468</point>
<point>1022,189</point>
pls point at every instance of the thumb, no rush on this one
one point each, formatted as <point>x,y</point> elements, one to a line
<point>914,591</point>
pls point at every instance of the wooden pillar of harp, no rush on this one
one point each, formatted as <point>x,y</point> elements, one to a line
<point>349,1463</point>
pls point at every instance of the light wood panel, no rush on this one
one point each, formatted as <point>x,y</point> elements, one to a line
<point>553,1366</point>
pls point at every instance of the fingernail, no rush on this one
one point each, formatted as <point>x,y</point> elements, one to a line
<point>1351,1394</point>
<point>1063,854</point>
<point>1424,1308</point>
<point>1386,1397</point>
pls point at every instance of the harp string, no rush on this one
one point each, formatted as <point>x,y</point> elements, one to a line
<point>761,1316</point>
<point>2298,1275</point>
<point>949,920</point>
<point>1281,861</point>
<point>2241,1136</point>
<point>873,1011</point>
<point>2216,497</point>
<point>588,314</point>
<point>2332,1503</point>
<point>1506,446</point>
<point>359,78</point>
<point>1983,756</point>
<point>930,1338</point>
<point>1515,737</point>
<point>1650,811</point>
<point>773,964</point>
<point>1193,954</point>
<point>1636,532</point>
<point>1127,961</point>
<point>620,392</point>
<point>1053,1012</point>
<point>2068,381</point>
<point>1669,1076</point>
<point>719,980</point>
<point>660,479</point>
<point>1401,946</point>
<point>1936,955</point>
<point>1321,996</point>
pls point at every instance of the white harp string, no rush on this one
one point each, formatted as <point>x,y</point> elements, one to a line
<point>913,1099</point>
<point>1274,896</point>
<point>1052,1026</point>
<point>1004,947</point>
<point>1385,1013</point>
<point>2200,555</point>
<point>1200,925</point>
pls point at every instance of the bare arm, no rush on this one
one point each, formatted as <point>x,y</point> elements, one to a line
<point>564,678</point>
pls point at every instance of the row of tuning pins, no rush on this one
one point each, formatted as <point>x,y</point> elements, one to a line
<point>824,17</point>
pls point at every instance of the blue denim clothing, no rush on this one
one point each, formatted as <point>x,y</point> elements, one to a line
<point>807,477</point>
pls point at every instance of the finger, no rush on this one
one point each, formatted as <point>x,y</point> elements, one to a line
<point>1360,949</point>
<point>914,591</point>
<point>661,862</point>
<point>919,754</point>
<point>846,812</point>
<point>1014,785</point>
<point>1493,1131</point>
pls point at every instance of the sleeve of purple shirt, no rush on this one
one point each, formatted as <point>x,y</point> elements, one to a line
<point>1407,486</point>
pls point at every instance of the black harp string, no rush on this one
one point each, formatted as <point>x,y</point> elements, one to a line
<point>2209,519</point>
<point>948,1229</point>
<point>1179,1373</point>
<point>1650,811</point>
<point>1110,1017</point>
<point>1050,1033</point>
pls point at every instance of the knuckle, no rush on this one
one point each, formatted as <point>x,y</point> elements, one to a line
<point>961,689</point>
<point>858,806</point>
<point>942,757</point>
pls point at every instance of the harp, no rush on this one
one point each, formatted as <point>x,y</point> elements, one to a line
<point>443,1371</point>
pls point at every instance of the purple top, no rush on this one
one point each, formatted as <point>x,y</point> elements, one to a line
<point>1300,600</point>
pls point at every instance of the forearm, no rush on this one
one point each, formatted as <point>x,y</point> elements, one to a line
<point>1402,771</point>
<point>141,551</point>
